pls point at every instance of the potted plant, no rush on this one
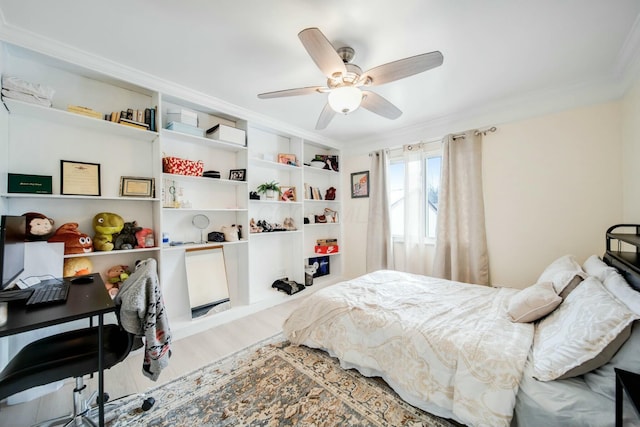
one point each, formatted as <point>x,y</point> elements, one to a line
<point>269,189</point>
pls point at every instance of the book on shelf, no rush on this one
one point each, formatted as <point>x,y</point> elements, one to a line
<point>134,123</point>
<point>150,118</point>
<point>85,111</point>
<point>315,193</point>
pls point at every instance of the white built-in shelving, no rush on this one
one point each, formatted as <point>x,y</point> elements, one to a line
<point>36,138</point>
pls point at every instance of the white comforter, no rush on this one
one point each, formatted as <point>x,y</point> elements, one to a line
<point>446,347</point>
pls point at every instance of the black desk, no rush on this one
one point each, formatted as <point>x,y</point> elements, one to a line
<point>628,382</point>
<point>83,302</point>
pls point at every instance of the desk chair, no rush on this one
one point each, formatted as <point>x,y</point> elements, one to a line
<point>71,354</point>
<point>65,355</point>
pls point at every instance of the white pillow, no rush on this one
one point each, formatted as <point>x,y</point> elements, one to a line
<point>565,273</point>
<point>534,302</point>
<point>595,266</point>
<point>603,379</point>
<point>621,289</point>
<point>581,334</point>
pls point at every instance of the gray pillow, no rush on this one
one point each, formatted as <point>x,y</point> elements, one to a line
<point>533,303</point>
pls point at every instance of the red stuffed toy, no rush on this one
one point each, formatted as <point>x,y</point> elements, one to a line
<point>74,241</point>
<point>145,238</point>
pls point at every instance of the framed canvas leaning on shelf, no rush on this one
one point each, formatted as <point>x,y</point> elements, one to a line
<point>134,186</point>
<point>237,174</point>
<point>287,194</point>
<point>79,178</point>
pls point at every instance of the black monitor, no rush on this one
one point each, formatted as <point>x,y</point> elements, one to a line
<point>12,236</point>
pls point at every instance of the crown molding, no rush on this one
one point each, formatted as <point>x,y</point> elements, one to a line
<point>37,43</point>
<point>517,108</point>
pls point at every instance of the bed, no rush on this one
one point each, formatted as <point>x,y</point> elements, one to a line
<point>485,356</point>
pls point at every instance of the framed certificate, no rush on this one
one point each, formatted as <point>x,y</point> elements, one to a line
<point>134,186</point>
<point>79,178</point>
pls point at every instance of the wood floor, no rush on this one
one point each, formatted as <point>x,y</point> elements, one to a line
<point>187,354</point>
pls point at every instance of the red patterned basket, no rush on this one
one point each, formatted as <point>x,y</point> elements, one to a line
<point>179,166</point>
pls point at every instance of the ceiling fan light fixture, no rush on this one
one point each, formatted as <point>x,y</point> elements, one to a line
<point>345,99</point>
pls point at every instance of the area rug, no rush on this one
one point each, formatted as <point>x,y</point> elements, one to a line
<point>276,384</point>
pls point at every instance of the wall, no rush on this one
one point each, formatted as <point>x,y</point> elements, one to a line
<point>356,212</point>
<point>631,155</point>
<point>552,187</point>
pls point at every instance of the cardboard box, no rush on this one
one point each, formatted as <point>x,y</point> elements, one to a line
<point>330,249</point>
<point>227,134</point>
<point>178,166</point>
<point>182,115</point>
<point>183,128</point>
<point>32,184</point>
<point>327,242</point>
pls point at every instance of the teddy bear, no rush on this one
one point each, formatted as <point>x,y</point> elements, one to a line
<point>115,276</point>
<point>39,227</point>
<point>106,224</point>
<point>126,239</point>
<point>75,242</point>
<point>77,267</point>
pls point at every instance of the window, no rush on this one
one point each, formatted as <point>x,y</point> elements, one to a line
<point>426,175</point>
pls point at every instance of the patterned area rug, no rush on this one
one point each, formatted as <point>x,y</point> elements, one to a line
<point>276,384</point>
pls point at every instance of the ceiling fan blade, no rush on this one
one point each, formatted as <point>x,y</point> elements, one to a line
<point>291,92</point>
<point>325,117</point>
<point>322,52</point>
<point>377,104</point>
<point>402,68</point>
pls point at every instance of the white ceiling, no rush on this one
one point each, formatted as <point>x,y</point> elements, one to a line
<point>499,55</point>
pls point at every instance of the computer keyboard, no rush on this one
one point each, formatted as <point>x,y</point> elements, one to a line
<point>49,294</point>
<point>15,295</point>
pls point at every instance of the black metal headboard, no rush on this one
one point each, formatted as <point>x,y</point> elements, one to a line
<point>626,262</point>
<point>630,275</point>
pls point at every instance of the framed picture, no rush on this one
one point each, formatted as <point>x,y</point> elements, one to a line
<point>136,186</point>
<point>360,184</point>
<point>237,174</point>
<point>79,178</point>
<point>288,159</point>
<point>287,194</point>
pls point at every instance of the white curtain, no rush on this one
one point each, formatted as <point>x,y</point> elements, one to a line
<point>461,242</point>
<point>414,256</point>
<point>379,242</point>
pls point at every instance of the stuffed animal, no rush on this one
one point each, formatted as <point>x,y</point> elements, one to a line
<point>144,238</point>
<point>39,227</point>
<point>75,242</point>
<point>115,276</point>
<point>77,266</point>
<point>106,224</point>
<point>126,239</point>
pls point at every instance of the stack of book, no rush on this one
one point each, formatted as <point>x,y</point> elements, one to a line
<point>141,119</point>
<point>312,193</point>
<point>85,111</point>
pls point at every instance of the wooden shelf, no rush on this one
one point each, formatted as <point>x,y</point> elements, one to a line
<point>114,252</point>
<point>65,118</point>
<point>201,140</point>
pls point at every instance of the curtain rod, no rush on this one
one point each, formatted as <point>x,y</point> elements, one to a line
<point>477,132</point>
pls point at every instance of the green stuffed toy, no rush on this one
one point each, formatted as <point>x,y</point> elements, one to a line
<point>106,224</point>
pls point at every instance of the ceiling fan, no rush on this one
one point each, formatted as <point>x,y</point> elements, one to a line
<point>345,81</point>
